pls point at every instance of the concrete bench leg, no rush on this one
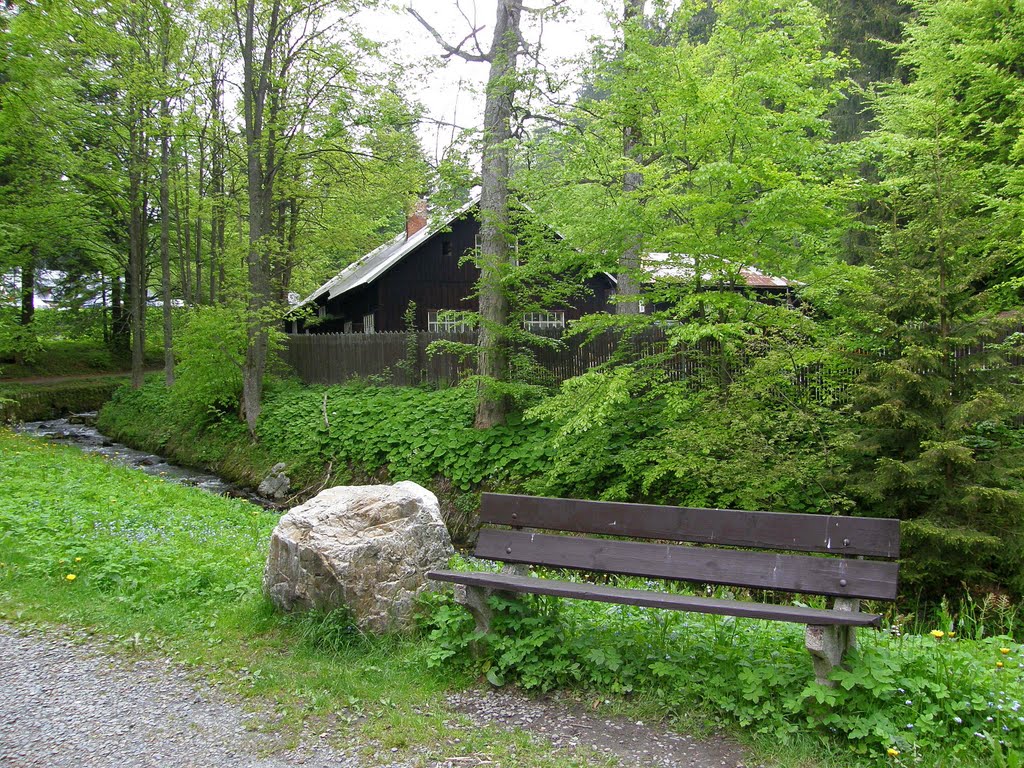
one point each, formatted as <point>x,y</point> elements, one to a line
<point>474,599</point>
<point>829,643</point>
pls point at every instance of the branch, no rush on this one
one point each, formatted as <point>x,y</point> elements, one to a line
<point>451,50</point>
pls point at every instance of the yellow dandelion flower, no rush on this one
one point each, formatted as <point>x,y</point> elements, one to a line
<point>938,633</point>
<point>999,664</point>
<point>951,634</point>
<point>78,559</point>
<point>892,752</point>
<point>71,577</point>
<point>1004,651</point>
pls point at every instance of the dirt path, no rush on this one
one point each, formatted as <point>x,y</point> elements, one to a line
<point>67,702</point>
<point>69,377</point>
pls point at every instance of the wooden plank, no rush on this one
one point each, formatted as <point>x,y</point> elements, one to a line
<point>640,597</point>
<point>874,537</point>
<point>739,568</point>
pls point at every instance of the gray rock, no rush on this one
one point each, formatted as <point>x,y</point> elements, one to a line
<point>364,548</point>
<point>276,484</point>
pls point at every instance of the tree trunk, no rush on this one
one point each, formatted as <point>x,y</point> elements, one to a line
<point>137,245</point>
<point>165,211</point>
<point>200,172</point>
<point>628,276</point>
<point>217,212</point>
<point>492,403</point>
<point>28,292</point>
<point>120,328</point>
<point>260,163</point>
<point>185,239</point>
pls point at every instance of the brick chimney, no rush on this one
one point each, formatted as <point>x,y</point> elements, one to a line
<point>416,218</point>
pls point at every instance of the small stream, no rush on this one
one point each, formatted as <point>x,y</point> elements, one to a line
<point>78,430</point>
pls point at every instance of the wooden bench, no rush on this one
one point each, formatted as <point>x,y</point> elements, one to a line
<point>719,549</point>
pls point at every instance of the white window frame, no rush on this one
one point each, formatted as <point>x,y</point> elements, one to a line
<point>544,320</point>
<point>368,324</point>
<point>449,321</point>
<point>514,248</point>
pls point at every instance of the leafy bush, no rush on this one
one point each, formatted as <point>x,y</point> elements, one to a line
<point>210,350</point>
<point>623,436</point>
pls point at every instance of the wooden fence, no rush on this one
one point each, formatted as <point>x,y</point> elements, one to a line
<point>405,358</point>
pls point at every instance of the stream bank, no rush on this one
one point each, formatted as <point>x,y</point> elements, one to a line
<point>52,398</point>
<point>79,430</point>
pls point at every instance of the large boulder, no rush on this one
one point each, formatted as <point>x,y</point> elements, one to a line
<point>365,548</point>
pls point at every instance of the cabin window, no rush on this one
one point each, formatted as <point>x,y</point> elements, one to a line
<point>446,245</point>
<point>513,247</point>
<point>321,311</point>
<point>543,321</point>
<point>348,326</point>
<point>368,323</point>
<point>449,321</point>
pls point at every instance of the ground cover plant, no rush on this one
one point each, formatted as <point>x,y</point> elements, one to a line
<point>938,697</point>
<point>618,435</point>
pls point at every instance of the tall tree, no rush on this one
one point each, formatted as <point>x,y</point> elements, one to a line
<point>628,274</point>
<point>937,394</point>
<point>298,63</point>
<point>494,253</point>
<point>730,133</point>
<point>47,219</point>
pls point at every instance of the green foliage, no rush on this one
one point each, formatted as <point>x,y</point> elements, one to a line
<point>414,434</point>
<point>770,443</point>
<point>938,394</point>
<point>931,699</point>
<point>210,350</point>
<point>731,148</point>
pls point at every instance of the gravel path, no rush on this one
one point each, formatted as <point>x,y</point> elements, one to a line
<point>65,702</point>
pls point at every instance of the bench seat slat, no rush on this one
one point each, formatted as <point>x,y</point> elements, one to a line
<point>871,537</point>
<point>639,597</point>
<point>740,568</point>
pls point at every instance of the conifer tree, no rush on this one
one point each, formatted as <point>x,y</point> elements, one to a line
<point>938,397</point>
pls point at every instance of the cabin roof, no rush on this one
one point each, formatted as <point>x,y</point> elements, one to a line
<point>368,268</point>
<point>378,261</point>
<point>680,266</point>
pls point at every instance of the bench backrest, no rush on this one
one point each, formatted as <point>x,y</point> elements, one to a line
<point>842,576</point>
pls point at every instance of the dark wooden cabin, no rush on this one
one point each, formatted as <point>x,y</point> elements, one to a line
<point>425,265</point>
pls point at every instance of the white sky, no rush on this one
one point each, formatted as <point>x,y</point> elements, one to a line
<point>452,92</point>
